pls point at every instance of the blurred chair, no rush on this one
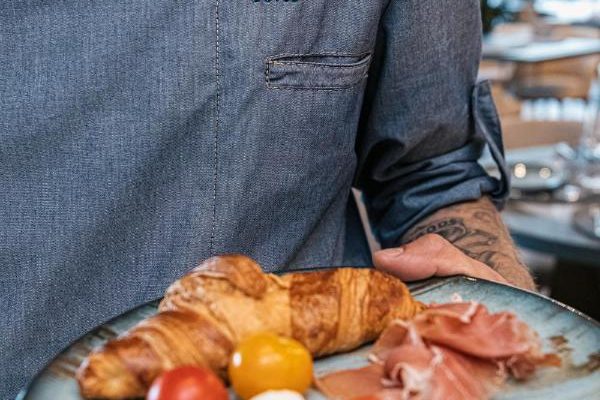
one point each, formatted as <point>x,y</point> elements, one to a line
<point>518,133</point>
<point>569,78</point>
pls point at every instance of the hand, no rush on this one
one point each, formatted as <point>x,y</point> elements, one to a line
<point>431,255</point>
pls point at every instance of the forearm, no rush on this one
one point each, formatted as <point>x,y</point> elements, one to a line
<point>477,229</point>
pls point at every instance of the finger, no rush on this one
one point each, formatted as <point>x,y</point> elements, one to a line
<point>407,267</point>
<point>431,255</point>
<point>427,256</point>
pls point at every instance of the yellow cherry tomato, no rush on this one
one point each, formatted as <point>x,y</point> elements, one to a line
<point>269,362</point>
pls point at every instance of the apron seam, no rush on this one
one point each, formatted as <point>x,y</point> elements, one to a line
<point>216,134</point>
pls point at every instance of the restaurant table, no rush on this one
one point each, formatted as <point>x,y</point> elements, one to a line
<point>548,228</point>
<point>542,51</point>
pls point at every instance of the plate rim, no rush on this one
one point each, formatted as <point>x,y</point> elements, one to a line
<point>419,287</point>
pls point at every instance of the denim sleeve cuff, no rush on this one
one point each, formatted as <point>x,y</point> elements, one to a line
<point>431,184</point>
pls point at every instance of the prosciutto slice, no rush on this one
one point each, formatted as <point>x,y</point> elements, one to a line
<point>470,329</point>
<point>356,383</point>
<point>449,351</point>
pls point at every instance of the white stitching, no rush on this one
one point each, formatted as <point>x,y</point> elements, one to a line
<point>331,53</point>
<point>358,64</point>
<point>277,60</point>
<point>216,136</point>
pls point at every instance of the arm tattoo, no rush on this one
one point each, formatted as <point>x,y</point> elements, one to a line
<point>475,243</point>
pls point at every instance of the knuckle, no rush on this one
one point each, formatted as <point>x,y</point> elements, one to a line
<point>435,240</point>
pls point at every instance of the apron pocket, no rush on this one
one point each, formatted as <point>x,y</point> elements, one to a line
<point>325,71</point>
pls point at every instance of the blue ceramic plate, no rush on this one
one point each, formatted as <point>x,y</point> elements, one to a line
<point>564,330</point>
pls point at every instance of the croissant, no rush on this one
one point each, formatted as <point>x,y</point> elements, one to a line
<point>224,300</point>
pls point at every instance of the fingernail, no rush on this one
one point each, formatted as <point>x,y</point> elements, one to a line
<point>394,252</point>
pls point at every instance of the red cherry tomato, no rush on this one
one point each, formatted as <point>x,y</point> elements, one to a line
<point>187,383</point>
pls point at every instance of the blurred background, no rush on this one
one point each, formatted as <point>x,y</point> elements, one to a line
<point>543,60</point>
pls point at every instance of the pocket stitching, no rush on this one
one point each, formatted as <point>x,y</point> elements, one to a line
<point>278,60</point>
<point>337,87</point>
<point>327,53</point>
<point>275,60</point>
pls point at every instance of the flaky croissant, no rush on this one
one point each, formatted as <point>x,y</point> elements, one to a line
<point>225,299</point>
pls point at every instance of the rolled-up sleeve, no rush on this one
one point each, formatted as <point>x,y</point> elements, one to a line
<point>425,121</point>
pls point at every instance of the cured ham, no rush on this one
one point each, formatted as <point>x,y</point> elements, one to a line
<point>449,351</point>
<point>352,383</point>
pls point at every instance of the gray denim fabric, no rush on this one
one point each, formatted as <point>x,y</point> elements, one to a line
<point>141,136</point>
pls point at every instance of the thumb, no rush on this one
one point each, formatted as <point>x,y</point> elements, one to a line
<point>405,265</point>
<point>430,255</point>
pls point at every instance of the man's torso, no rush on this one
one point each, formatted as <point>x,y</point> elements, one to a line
<point>139,137</point>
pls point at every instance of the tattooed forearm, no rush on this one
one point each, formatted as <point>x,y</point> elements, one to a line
<point>475,243</point>
<point>477,229</point>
